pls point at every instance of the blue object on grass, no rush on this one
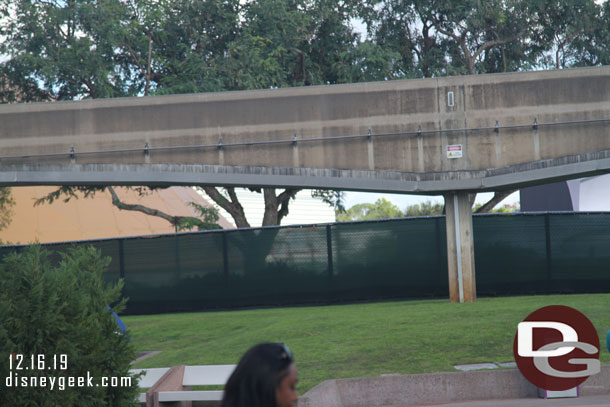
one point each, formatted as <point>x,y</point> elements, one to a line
<point>119,322</point>
<point>117,319</point>
<point>608,341</point>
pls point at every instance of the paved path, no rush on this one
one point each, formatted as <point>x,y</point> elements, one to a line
<point>589,401</point>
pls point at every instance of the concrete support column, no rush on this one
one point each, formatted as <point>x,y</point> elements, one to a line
<point>460,247</point>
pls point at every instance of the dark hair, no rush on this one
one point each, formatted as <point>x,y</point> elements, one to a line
<point>258,374</point>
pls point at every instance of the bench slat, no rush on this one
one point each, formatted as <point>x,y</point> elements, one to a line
<point>151,377</point>
<point>204,395</point>
<point>207,375</point>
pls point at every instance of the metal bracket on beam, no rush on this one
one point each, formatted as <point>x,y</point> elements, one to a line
<point>221,151</point>
<point>295,151</point>
<point>497,127</point>
<point>535,125</point>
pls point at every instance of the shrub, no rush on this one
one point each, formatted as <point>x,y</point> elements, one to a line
<point>61,309</point>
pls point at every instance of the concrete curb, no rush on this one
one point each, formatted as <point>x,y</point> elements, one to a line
<point>406,390</point>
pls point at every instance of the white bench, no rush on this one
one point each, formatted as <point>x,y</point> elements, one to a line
<point>148,380</point>
<point>171,385</point>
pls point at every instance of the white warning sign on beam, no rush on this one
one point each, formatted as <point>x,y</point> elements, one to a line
<point>454,151</point>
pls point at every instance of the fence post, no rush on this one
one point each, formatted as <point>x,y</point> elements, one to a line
<point>121,259</point>
<point>549,267</point>
<point>225,257</point>
<point>329,251</point>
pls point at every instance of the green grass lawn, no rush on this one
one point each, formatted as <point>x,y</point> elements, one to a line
<point>357,340</point>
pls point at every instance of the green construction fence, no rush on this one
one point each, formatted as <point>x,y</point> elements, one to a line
<point>523,253</point>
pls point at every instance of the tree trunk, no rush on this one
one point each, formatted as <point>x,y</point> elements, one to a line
<point>270,217</point>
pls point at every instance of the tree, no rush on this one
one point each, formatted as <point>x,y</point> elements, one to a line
<point>426,208</point>
<point>381,209</point>
<point>437,38</point>
<point>62,50</point>
<point>477,28</point>
<point>207,219</point>
<point>404,31</point>
<point>179,46</point>
<point>276,206</point>
<point>64,312</point>
<point>297,43</point>
<point>576,32</point>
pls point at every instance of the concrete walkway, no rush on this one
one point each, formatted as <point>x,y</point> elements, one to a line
<point>586,401</point>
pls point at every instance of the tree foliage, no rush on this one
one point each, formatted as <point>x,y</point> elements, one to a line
<point>6,207</point>
<point>436,38</point>
<point>384,209</point>
<point>62,308</point>
<point>62,50</point>
<point>105,48</point>
<point>207,219</point>
<point>381,209</point>
<point>427,208</point>
<point>577,32</point>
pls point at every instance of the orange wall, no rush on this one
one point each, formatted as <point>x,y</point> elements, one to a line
<point>93,218</point>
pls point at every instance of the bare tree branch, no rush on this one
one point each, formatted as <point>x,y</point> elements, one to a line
<point>232,195</point>
<point>135,58</point>
<point>288,194</point>
<point>284,199</point>
<point>495,43</point>
<point>174,220</point>
<point>443,31</point>
<point>233,206</point>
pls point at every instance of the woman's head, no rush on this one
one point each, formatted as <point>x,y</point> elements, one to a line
<point>265,376</point>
